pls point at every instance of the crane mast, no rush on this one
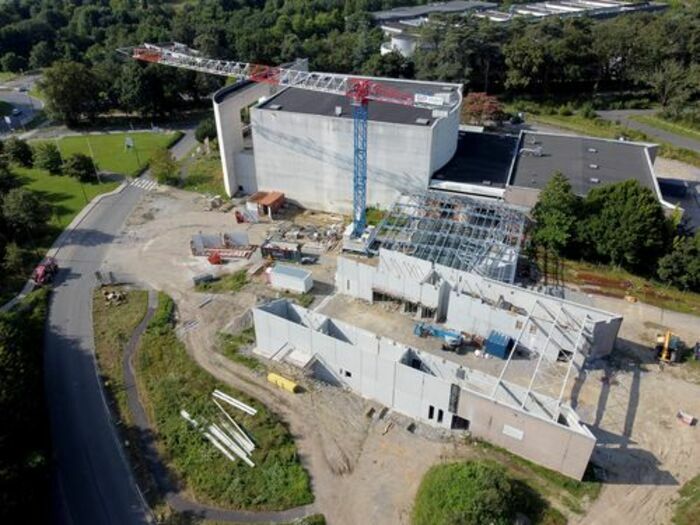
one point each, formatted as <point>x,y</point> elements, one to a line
<point>359,90</point>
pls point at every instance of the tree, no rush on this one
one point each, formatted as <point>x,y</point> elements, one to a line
<point>13,262</point>
<point>72,92</point>
<point>681,266</point>
<point>391,65</point>
<point>479,108</point>
<point>555,214</point>
<point>671,83</point>
<point>24,210</point>
<point>41,56</point>
<point>624,225</point>
<point>8,180</point>
<point>205,129</point>
<point>164,167</point>
<point>470,493</point>
<point>12,62</point>
<point>80,167</point>
<point>19,151</point>
<point>48,157</point>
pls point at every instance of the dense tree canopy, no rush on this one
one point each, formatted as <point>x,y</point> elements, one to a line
<point>548,56</point>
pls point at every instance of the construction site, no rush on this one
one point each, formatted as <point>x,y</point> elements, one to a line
<point>415,332</point>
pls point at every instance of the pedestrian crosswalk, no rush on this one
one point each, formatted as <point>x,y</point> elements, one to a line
<point>144,184</point>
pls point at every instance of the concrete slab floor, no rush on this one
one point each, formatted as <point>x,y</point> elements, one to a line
<point>386,320</point>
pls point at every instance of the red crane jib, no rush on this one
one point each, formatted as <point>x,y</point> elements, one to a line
<point>360,90</point>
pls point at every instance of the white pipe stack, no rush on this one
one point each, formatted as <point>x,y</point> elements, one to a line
<point>234,402</point>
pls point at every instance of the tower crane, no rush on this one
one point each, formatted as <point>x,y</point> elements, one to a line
<point>359,90</point>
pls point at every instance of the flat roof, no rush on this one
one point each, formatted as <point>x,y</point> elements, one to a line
<point>290,271</point>
<point>309,102</point>
<point>455,6</point>
<point>587,162</point>
<point>481,158</point>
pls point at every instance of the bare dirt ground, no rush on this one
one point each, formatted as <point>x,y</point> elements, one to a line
<point>362,474</point>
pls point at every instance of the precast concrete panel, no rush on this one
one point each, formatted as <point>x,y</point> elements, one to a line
<point>299,336</point>
<point>385,382</point>
<point>368,343</point>
<point>408,391</point>
<point>348,358</point>
<point>368,375</point>
<point>544,442</point>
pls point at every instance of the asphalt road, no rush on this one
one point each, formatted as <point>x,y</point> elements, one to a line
<point>91,479</point>
<point>29,106</point>
<point>623,116</point>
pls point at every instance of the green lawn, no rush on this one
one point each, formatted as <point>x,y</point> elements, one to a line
<point>6,76</point>
<point>110,152</point>
<point>64,194</point>
<point>169,381</point>
<point>230,283</point>
<point>204,175</point>
<point>677,128</point>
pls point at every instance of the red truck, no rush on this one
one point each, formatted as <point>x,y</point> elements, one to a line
<point>45,272</point>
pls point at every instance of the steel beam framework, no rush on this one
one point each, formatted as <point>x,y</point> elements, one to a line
<point>456,231</point>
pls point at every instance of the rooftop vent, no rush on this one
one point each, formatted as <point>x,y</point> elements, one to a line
<point>338,111</point>
<point>422,121</point>
<point>593,166</point>
<point>274,107</point>
<point>592,150</point>
<point>594,180</point>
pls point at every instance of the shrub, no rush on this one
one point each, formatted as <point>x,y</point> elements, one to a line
<point>80,166</point>
<point>205,129</point>
<point>470,493</point>
<point>164,167</point>
<point>48,157</point>
<point>17,150</point>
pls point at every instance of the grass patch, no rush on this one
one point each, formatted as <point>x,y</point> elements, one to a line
<point>6,76</point>
<point>230,283</point>
<point>302,299</point>
<point>572,494</point>
<point>230,345</point>
<point>110,153</point>
<point>678,128</point>
<point>169,381</point>
<point>66,195</point>
<point>113,326</point>
<point>479,491</point>
<point>204,175</point>
<point>617,282</point>
<point>687,508</point>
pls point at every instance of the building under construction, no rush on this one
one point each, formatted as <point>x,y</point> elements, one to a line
<point>519,404</point>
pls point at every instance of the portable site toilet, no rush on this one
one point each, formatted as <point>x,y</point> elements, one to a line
<point>284,277</point>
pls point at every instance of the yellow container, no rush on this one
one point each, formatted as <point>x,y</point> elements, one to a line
<point>282,382</point>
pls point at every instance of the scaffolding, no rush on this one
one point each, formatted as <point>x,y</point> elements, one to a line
<point>456,231</point>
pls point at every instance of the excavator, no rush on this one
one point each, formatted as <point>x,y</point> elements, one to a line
<point>667,347</point>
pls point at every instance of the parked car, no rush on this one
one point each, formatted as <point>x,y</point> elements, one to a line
<point>309,259</point>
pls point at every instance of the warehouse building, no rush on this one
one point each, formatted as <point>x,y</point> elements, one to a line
<point>516,168</point>
<point>520,406</point>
